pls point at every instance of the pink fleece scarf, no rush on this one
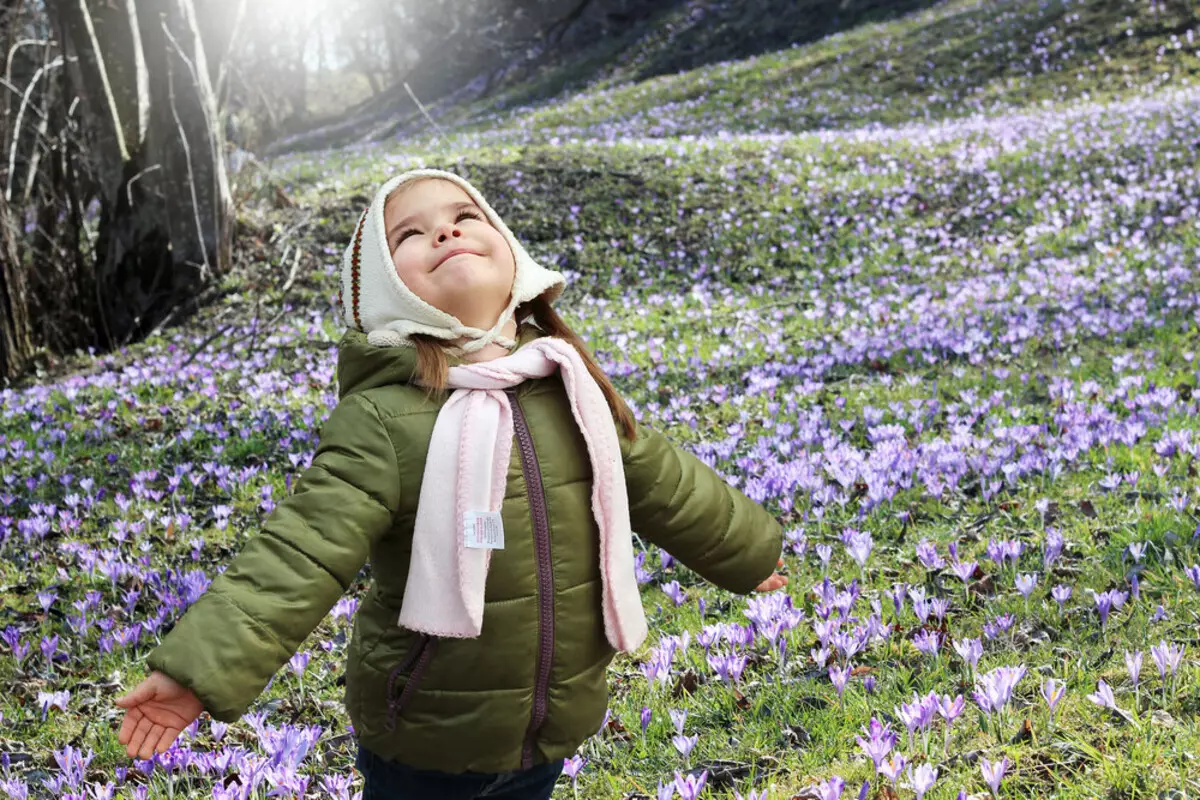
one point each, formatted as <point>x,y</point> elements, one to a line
<point>466,470</point>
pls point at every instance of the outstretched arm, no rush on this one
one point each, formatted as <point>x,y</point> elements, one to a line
<point>680,504</point>
<point>255,614</point>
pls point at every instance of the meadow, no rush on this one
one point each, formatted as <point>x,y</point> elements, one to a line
<point>947,330</point>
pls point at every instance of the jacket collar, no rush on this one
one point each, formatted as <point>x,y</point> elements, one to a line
<point>362,366</point>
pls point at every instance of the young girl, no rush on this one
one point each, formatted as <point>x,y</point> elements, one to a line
<point>503,572</point>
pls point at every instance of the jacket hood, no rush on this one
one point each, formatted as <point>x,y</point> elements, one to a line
<point>362,365</point>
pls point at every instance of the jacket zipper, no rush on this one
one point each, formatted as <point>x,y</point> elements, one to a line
<point>421,653</point>
<point>545,572</point>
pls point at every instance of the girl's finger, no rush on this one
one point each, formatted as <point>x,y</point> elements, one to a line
<point>128,725</point>
<point>139,736</point>
<point>151,742</point>
<point>139,695</point>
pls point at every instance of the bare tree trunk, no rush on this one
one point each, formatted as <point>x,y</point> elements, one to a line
<point>21,123</point>
<point>16,343</point>
<point>156,150</point>
<point>186,139</point>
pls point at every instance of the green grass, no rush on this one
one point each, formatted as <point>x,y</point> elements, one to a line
<point>717,280</point>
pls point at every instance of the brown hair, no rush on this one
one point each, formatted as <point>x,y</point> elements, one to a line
<point>432,363</point>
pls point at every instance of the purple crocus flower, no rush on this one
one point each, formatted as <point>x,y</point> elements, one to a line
<point>898,593</point>
<point>46,599</point>
<point>860,547</point>
<point>49,646</point>
<point>964,570</point>
<point>690,786</point>
<point>1052,693</point>
<point>950,709</point>
<point>1061,594</point>
<point>970,650</point>
<point>684,744</point>
<point>56,699</point>
<point>921,779</point>
<point>1053,547</point>
<point>299,662</point>
<point>940,605</point>
<point>831,789</point>
<point>824,552</point>
<point>879,741</point>
<point>1103,696</point>
<point>1166,656</point>
<point>673,591</point>
<point>645,717</point>
<point>996,551</point>
<point>1133,663</point>
<point>572,766</point>
<point>927,642</point>
<point>1193,572</point>
<point>892,768</point>
<point>912,715</point>
<point>994,689</point>
<point>708,636</point>
<point>928,555</point>
<point>728,667</point>
<point>839,678</point>
<point>678,717</point>
<point>1106,602</point>
<point>820,655</point>
<point>993,773</point>
<point>753,795</point>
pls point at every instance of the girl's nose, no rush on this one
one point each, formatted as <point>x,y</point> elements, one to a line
<point>445,230</point>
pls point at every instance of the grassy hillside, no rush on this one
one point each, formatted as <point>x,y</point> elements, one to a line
<point>951,60</point>
<point>971,335</point>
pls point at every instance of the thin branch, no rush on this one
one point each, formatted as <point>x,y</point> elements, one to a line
<point>35,159</point>
<point>19,92</point>
<point>423,111</point>
<point>200,348</point>
<point>187,154</point>
<point>199,80</point>
<point>292,274</point>
<point>94,44</point>
<point>129,183</point>
<point>16,135</point>
<point>142,79</point>
<point>227,58</point>
<point>13,51</point>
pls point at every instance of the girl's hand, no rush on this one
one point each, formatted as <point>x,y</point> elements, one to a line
<point>776,581</point>
<point>159,709</point>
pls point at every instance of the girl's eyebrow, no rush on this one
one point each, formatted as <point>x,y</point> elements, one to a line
<point>407,220</point>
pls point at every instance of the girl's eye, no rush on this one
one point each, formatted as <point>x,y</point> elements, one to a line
<point>464,213</point>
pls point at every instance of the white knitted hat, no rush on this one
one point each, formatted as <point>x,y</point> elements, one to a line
<point>385,309</point>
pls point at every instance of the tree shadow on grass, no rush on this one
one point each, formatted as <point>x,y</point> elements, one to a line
<point>738,30</point>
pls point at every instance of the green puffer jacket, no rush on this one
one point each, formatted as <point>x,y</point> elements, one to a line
<point>531,688</point>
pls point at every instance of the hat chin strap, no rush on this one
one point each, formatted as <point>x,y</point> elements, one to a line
<point>493,336</point>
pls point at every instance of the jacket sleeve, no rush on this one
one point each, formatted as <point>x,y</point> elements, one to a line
<point>255,615</point>
<point>680,504</point>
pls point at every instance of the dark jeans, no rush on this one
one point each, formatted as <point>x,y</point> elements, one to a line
<point>389,780</point>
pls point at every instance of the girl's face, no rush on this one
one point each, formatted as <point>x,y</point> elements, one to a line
<point>447,253</point>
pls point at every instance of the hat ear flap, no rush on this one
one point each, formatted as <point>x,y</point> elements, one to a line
<point>355,276</point>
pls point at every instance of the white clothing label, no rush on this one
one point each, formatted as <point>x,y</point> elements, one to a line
<point>483,530</point>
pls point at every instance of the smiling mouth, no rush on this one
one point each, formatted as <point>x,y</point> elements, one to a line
<point>455,255</point>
